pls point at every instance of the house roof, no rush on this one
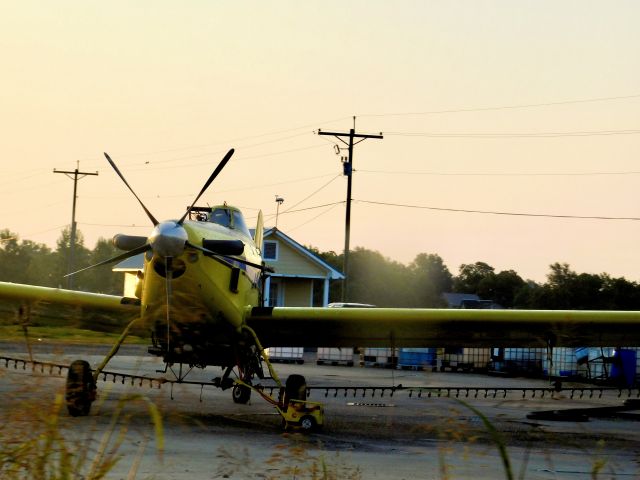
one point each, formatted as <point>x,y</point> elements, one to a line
<point>274,232</point>
<point>468,300</point>
<point>131,264</point>
<point>454,300</point>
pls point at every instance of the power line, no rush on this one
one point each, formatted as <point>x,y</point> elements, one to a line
<point>113,225</point>
<point>239,158</point>
<point>313,208</point>
<point>508,174</point>
<point>489,212</point>
<point>504,107</point>
<point>313,218</point>
<point>31,186</point>
<point>17,237</point>
<point>594,133</point>
<point>211,154</point>
<point>313,193</point>
<point>227,142</point>
<point>219,192</point>
<point>291,209</point>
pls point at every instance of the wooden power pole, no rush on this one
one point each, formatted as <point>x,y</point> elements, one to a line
<point>75,175</point>
<point>348,170</point>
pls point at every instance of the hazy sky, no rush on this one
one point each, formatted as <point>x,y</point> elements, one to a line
<point>167,87</point>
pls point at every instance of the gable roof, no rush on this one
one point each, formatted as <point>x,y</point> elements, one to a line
<point>130,264</point>
<point>274,232</point>
<point>454,300</point>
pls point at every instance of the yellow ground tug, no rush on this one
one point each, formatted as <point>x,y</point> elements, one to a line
<point>292,405</point>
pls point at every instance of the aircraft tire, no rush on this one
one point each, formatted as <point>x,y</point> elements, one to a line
<point>295,388</point>
<point>241,394</point>
<point>80,391</point>
<point>308,423</point>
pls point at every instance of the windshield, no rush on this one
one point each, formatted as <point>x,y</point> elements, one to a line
<point>221,216</point>
<point>229,218</point>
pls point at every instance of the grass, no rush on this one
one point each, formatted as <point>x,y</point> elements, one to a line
<point>71,335</point>
<point>496,438</point>
<point>297,457</point>
<point>39,441</point>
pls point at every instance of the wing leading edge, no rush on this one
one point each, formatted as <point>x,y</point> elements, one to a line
<point>32,293</point>
<point>397,327</point>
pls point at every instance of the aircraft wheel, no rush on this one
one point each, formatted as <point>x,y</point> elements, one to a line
<point>308,423</point>
<point>80,389</point>
<point>295,388</point>
<point>241,394</point>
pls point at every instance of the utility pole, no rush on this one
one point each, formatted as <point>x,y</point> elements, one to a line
<point>347,166</point>
<point>75,176</point>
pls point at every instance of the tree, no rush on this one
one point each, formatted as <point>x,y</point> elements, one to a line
<point>431,278</point>
<point>470,276</point>
<point>102,279</point>
<point>24,261</point>
<point>619,294</point>
<point>501,287</point>
<point>378,280</point>
<point>80,258</point>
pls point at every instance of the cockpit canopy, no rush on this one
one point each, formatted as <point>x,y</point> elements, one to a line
<point>224,215</point>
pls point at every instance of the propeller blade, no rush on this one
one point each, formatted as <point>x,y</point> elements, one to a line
<point>222,258</point>
<point>113,165</point>
<point>215,173</point>
<point>120,257</point>
<point>168,265</point>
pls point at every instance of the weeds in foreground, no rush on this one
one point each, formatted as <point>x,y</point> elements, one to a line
<point>297,458</point>
<point>35,444</point>
<point>497,439</point>
<point>598,464</point>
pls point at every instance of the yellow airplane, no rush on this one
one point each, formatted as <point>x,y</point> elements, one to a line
<point>200,295</point>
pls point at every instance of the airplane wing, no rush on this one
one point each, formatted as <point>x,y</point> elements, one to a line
<point>32,293</point>
<point>404,327</point>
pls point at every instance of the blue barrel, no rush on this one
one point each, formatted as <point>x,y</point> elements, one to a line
<point>417,357</point>
<point>625,367</point>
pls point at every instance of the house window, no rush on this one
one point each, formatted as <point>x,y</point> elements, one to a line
<point>270,251</point>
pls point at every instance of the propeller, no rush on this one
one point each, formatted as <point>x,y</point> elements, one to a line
<point>169,238</point>
<point>146,210</point>
<point>119,258</point>
<point>215,173</point>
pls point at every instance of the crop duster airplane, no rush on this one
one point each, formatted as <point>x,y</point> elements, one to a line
<point>200,295</point>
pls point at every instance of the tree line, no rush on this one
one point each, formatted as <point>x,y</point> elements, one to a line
<point>378,280</point>
<point>374,278</point>
<point>25,261</point>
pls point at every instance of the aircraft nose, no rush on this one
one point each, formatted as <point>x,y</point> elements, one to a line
<point>168,239</point>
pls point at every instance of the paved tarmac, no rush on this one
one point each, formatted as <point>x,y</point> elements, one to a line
<point>207,436</point>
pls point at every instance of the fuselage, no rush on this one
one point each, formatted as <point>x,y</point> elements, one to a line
<point>206,297</point>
